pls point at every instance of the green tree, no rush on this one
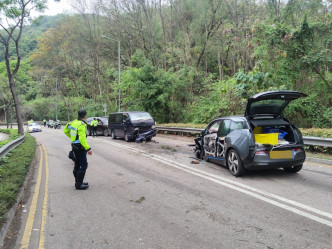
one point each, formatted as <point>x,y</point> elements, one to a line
<point>15,13</point>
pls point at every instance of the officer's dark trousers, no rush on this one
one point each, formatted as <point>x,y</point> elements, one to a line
<point>94,131</point>
<point>81,163</point>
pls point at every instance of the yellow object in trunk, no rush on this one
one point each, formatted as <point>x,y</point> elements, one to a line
<point>268,138</point>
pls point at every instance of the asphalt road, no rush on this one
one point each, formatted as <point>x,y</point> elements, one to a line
<point>152,196</point>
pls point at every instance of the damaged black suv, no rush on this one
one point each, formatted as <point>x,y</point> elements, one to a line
<point>261,139</point>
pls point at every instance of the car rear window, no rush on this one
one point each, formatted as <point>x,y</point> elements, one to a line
<point>239,125</point>
<point>268,102</point>
<point>104,120</point>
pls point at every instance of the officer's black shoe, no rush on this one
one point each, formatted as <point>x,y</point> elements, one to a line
<point>75,175</point>
<point>81,186</point>
<point>79,181</point>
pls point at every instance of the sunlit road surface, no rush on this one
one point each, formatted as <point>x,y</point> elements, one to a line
<point>155,195</point>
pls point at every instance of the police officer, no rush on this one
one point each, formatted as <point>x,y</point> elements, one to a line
<point>44,121</point>
<point>76,130</point>
<point>94,124</point>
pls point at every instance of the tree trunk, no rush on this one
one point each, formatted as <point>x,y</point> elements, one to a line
<point>16,103</point>
<point>164,37</point>
<point>219,66</point>
<point>11,116</point>
<point>323,78</point>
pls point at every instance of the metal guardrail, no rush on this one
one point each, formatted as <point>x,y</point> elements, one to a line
<point>177,129</point>
<point>318,141</point>
<point>10,146</point>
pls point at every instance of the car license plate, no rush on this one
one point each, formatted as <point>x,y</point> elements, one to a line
<point>281,154</point>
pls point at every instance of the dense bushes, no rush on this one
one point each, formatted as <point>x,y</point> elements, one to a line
<point>13,169</point>
<point>308,112</point>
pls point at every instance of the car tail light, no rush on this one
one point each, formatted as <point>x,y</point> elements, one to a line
<point>298,150</point>
<point>261,152</point>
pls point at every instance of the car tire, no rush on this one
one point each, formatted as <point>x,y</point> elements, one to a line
<point>204,157</point>
<point>106,134</point>
<point>113,134</point>
<point>198,154</point>
<point>126,137</point>
<point>234,163</point>
<point>293,169</point>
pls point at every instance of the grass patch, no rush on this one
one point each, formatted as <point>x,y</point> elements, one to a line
<point>13,134</point>
<point>13,169</point>
<point>317,132</point>
<point>140,200</point>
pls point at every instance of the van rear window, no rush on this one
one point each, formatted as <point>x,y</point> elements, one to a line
<point>116,118</point>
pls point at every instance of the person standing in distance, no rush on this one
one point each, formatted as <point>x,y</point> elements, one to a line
<point>76,131</point>
<point>94,124</point>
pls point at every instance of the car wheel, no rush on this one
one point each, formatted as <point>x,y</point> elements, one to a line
<point>234,163</point>
<point>126,137</point>
<point>293,169</point>
<point>106,133</point>
<point>113,134</point>
<point>204,157</point>
<point>198,154</point>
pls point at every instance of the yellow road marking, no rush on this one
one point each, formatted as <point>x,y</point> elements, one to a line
<point>32,212</point>
<point>44,212</point>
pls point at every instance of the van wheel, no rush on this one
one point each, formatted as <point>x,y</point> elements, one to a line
<point>106,133</point>
<point>293,169</point>
<point>126,137</point>
<point>234,163</point>
<point>113,135</point>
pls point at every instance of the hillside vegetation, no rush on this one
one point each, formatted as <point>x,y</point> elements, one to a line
<point>184,61</point>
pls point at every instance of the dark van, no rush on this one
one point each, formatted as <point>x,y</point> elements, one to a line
<point>129,125</point>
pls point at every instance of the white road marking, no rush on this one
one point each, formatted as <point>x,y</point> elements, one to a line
<point>261,195</point>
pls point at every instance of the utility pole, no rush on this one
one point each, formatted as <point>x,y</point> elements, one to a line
<point>56,98</point>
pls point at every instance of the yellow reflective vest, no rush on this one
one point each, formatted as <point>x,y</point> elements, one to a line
<point>76,131</point>
<point>94,123</point>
